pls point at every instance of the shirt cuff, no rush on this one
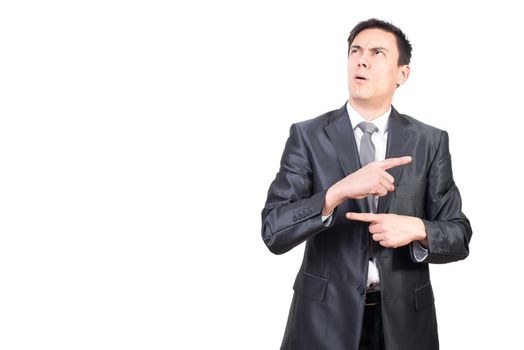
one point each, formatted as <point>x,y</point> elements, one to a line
<point>327,219</point>
<point>419,251</point>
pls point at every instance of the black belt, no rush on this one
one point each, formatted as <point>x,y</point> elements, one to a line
<point>373,298</point>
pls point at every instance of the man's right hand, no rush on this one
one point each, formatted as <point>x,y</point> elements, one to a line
<point>371,180</point>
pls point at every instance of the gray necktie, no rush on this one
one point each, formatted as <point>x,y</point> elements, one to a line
<point>367,153</point>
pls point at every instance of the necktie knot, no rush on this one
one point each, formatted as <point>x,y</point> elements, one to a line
<point>368,128</point>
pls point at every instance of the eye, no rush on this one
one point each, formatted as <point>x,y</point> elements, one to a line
<point>353,50</point>
<point>379,52</point>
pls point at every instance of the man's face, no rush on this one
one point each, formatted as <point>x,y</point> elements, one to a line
<point>373,70</point>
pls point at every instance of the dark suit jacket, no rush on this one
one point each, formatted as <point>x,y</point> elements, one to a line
<point>327,308</point>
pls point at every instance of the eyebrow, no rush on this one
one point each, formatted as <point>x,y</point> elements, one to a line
<point>370,49</point>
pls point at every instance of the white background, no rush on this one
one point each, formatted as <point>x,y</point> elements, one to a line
<point>138,140</point>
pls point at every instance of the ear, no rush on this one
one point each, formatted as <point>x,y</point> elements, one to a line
<point>403,74</point>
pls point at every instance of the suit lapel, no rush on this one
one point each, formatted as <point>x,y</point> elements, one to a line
<point>399,143</point>
<point>340,132</point>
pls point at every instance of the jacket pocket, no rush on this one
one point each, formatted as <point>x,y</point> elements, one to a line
<point>310,286</point>
<point>424,297</point>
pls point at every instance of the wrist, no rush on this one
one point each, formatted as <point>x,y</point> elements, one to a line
<point>421,232</point>
<point>331,201</point>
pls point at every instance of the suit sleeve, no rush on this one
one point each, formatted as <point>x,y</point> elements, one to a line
<point>292,213</point>
<point>448,229</point>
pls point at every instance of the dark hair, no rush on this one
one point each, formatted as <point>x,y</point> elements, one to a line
<point>403,44</point>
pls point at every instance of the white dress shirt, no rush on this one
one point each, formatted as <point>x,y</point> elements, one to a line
<point>379,138</point>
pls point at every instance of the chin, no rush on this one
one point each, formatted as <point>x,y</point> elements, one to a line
<point>359,96</point>
<point>360,93</point>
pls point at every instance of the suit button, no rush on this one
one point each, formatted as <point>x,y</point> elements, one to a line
<point>361,290</point>
<point>295,218</point>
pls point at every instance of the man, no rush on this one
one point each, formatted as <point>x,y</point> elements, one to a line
<point>371,192</point>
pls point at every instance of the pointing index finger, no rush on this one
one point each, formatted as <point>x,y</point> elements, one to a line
<point>393,162</point>
<point>365,217</point>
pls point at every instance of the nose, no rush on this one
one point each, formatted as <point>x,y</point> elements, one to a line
<point>362,62</point>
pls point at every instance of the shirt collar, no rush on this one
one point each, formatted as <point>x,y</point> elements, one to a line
<point>381,122</point>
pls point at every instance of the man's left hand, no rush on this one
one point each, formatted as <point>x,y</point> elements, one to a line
<point>391,230</point>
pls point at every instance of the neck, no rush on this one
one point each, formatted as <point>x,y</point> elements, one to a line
<point>368,110</point>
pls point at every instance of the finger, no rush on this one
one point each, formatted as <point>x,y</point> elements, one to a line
<point>365,217</point>
<point>387,185</point>
<point>393,162</point>
<point>375,228</point>
<point>378,237</point>
<point>379,190</point>
<point>385,244</point>
<point>387,176</point>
